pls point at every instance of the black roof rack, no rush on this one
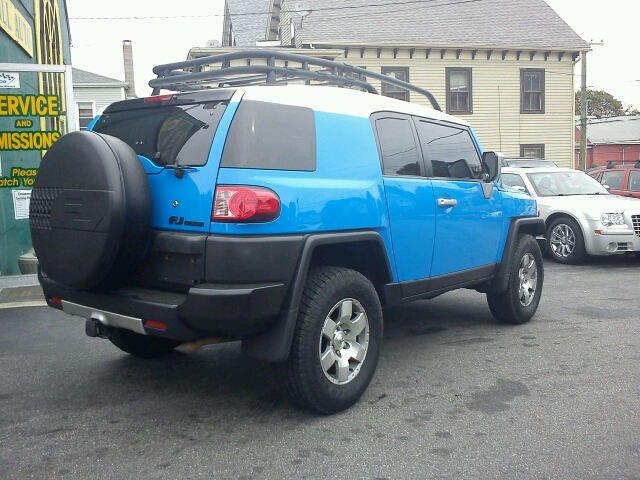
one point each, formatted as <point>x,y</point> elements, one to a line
<point>190,75</point>
<point>621,163</point>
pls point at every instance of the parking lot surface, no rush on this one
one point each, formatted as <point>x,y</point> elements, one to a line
<point>456,395</point>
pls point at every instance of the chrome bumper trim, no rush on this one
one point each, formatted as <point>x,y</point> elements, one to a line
<point>109,319</point>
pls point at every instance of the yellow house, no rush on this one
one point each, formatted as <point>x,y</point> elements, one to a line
<point>506,66</point>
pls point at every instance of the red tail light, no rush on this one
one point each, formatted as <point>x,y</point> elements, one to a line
<point>244,204</point>
<point>158,98</point>
<point>155,324</point>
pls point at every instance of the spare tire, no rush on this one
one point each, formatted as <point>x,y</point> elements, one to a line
<point>90,211</point>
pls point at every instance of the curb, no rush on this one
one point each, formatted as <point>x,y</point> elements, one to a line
<point>19,281</point>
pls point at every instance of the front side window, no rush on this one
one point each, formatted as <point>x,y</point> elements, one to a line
<point>531,91</point>
<point>458,90</point>
<point>613,179</point>
<point>85,114</point>
<point>532,151</point>
<point>388,90</point>
<point>397,147</point>
<point>450,151</point>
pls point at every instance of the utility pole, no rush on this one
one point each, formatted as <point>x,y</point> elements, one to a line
<point>583,109</point>
<point>583,114</point>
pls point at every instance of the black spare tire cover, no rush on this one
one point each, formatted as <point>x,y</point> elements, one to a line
<point>90,211</point>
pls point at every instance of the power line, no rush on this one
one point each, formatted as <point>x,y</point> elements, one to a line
<point>332,9</point>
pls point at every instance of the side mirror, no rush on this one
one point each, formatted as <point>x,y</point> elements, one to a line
<point>607,187</point>
<point>491,162</point>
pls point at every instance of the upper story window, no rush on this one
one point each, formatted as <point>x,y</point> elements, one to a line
<point>401,73</point>
<point>532,151</point>
<point>531,90</point>
<point>458,90</point>
<point>450,151</point>
<point>397,146</point>
<point>85,114</point>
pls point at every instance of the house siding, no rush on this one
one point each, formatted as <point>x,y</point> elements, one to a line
<point>101,97</point>
<point>496,116</point>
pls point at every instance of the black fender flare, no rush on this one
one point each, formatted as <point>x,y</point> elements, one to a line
<point>274,344</point>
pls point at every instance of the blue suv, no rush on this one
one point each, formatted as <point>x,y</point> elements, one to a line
<point>286,215</point>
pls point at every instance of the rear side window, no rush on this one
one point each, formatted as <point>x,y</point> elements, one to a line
<point>271,136</point>
<point>397,147</point>
<point>450,151</point>
<point>169,135</point>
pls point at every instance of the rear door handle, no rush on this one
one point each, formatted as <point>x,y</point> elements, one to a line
<point>447,202</point>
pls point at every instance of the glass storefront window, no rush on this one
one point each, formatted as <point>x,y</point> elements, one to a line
<point>33,115</point>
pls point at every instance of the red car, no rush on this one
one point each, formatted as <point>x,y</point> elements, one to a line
<point>622,179</point>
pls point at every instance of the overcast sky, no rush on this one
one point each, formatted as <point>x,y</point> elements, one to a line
<point>97,44</point>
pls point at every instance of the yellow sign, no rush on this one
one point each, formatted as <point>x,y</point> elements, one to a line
<point>27,140</point>
<point>12,22</point>
<point>29,105</point>
<point>24,176</point>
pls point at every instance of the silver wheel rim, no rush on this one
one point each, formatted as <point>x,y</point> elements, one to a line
<point>528,275</point>
<point>562,240</point>
<point>344,341</point>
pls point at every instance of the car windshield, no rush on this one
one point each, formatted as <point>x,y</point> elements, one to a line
<point>551,184</point>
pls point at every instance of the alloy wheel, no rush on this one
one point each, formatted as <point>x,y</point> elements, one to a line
<point>344,341</point>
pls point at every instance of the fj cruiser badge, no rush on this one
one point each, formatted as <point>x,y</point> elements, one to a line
<point>173,220</point>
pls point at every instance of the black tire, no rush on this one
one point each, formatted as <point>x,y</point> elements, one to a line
<point>565,242</point>
<point>330,292</point>
<point>143,346</point>
<point>519,302</point>
<point>90,211</point>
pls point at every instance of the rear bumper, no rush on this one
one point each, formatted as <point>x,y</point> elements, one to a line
<point>206,310</point>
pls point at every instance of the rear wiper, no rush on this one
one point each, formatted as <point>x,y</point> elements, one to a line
<point>178,170</point>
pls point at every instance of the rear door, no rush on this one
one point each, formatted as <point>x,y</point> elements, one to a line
<point>634,183</point>
<point>174,140</point>
<point>468,225</point>
<point>410,200</point>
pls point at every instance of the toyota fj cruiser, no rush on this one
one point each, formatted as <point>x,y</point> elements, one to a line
<point>285,215</point>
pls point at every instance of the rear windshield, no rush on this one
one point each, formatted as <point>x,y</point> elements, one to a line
<point>168,135</point>
<point>271,136</point>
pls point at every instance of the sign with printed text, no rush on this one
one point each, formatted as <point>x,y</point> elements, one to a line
<point>16,26</point>
<point>21,201</point>
<point>9,80</point>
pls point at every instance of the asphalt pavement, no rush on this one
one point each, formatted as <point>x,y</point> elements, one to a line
<point>457,395</point>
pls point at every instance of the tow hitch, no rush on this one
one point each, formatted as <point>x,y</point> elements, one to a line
<point>94,328</point>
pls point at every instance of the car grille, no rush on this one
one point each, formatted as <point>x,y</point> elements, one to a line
<point>636,224</point>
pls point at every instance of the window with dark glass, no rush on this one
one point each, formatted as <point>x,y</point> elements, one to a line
<point>271,136</point>
<point>85,114</point>
<point>532,151</point>
<point>458,90</point>
<point>389,90</point>
<point>397,146</point>
<point>531,91</point>
<point>166,135</point>
<point>450,150</point>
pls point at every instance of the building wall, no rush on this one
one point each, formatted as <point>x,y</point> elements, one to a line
<point>101,97</point>
<point>46,38</point>
<point>601,154</point>
<point>496,116</point>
